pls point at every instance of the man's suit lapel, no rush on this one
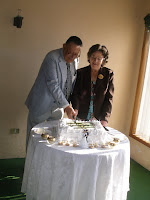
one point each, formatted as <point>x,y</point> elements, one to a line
<point>63,69</point>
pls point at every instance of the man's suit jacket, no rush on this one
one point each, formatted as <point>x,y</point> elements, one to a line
<point>103,93</point>
<point>47,91</point>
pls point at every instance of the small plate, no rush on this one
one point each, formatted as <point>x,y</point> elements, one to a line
<point>105,146</point>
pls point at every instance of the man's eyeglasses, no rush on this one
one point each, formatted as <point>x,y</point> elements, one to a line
<point>72,54</point>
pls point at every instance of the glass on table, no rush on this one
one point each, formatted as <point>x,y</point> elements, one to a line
<point>63,130</point>
<point>39,130</point>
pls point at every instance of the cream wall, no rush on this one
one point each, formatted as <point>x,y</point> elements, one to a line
<point>47,24</point>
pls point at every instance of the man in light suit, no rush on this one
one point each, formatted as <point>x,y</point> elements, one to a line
<point>47,99</point>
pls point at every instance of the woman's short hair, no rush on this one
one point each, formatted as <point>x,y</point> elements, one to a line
<point>100,48</point>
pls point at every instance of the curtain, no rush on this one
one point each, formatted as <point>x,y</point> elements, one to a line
<point>143,123</point>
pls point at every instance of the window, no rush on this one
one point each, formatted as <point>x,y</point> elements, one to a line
<point>140,125</point>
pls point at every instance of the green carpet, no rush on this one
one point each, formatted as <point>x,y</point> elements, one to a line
<point>139,182</point>
<point>11,173</point>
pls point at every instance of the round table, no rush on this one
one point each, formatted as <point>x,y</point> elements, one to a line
<point>54,172</point>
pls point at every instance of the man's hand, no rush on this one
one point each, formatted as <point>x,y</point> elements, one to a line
<point>76,113</point>
<point>70,112</point>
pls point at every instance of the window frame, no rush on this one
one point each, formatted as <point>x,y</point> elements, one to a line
<point>140,82</point>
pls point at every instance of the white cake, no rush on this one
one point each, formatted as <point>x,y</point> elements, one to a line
<point>86,134</point>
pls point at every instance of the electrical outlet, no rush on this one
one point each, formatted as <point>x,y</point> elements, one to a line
<point>14,130</point>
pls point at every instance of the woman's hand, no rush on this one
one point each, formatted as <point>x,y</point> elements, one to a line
<point>104,123</point>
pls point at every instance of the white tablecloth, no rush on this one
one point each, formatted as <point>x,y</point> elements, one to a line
<point>55,172</point>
